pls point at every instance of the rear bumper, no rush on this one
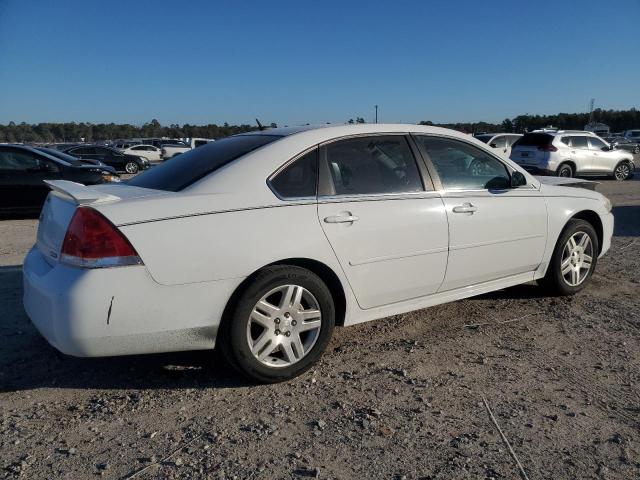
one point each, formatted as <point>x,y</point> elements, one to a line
<point>120,311</point>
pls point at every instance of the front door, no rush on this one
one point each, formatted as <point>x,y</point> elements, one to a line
<point>386,225</point>
<point>495,231</point>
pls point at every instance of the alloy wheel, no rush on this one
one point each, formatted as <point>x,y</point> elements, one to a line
<point>284,325</point>
<point>577,258</point>
<point>622,171</point>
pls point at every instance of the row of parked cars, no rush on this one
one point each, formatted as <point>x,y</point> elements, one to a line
<point>568,153</point>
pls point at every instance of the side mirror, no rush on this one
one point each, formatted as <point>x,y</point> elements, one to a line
<point>518,179</point>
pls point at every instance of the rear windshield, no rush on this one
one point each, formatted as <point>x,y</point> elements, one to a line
<point>183,170</point>
<point>534,140</point>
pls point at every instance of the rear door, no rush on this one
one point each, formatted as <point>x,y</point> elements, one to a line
<point>495,231</point>
<point>385,223</point>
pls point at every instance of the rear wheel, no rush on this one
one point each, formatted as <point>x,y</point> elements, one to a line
<point>622,171</point>
<point>131,167</point>
<point>574,259</point>
<point>279,326</point>
<point>565,170</point>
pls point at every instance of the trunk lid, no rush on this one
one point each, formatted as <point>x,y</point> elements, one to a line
<point>61,203</point>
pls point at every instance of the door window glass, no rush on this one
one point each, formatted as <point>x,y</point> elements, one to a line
<point>579,142</point>
<point>461,166</point>
<point>18,160</point>
<point>373,165</point>
<point>596,144</point>
<point>299,178</point>
<point>498,142</point>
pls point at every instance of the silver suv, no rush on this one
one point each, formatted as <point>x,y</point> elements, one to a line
<point>568,153</point>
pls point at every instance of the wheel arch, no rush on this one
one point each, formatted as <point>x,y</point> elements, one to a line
<point>594,219</point>
<point>571,163</point>
<point>326,274</point>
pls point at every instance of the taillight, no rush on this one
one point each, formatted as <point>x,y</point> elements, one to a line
<point>92,241</point>
<point>547,148</point>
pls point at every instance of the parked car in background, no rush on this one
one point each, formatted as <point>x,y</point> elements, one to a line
<point>198,142</point>
<point>632,134</point>
<point>569,153</point>
<point>23,170</point>
<point>122,145</point>
<point>69,158</point>
<point>63,146</point>
<point>502,142</point>
<point>170,150</point>
<point>623,143</point>
<point>149,152</point>
<point>260,243</point>
<point>122,162</point>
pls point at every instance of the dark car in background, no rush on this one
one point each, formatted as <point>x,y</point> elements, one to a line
<point>109,156</point>
<point>68,158</point>
<point>23,170</point>
<point>624,143</point>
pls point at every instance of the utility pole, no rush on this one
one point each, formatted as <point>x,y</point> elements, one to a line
<point>376,113</point>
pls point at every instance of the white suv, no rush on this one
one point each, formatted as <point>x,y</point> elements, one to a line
<point>568,153</point>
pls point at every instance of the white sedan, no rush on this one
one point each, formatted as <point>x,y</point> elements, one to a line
<point>151,153</point>
<point>261,243</point>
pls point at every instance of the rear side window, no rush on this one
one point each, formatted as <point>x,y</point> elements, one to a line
<point>579,142</point>
<point>534,140</point>
<point>299,178</point>
<point>373,165</point>
<point>183,170</point>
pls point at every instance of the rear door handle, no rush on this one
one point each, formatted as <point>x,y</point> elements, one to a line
<point>465,208</point>
<point>346,218</point>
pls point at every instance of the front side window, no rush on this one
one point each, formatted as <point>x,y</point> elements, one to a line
<point>18,160</point>
<point>373,165</point>
<point>596,144</point>
<point>299,178</point>
<point>499,142</point>
<point>461,166</point>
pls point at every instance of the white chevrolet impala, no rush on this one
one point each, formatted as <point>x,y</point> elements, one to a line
<point>262,242</point>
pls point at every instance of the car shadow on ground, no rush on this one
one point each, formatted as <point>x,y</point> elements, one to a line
<point>29,362</point>
<point>627,221</point>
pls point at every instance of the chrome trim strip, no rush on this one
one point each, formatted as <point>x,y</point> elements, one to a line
<point>396,257</point>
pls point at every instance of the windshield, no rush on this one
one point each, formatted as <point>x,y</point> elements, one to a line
<point>181,171</point>
<point>70,159</point>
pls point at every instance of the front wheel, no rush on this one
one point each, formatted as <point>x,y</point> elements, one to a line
<point>279,325</point>
<point>131,167</point>
<point>622,171</point>
<point>574,259</point>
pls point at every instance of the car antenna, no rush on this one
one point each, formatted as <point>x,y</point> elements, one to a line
<point>260,126</point>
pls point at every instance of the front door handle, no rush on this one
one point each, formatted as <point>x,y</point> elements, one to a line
<point>465,208</point>
<point>343,218</point>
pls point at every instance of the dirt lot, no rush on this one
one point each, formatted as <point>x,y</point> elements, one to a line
<point>397,398</point>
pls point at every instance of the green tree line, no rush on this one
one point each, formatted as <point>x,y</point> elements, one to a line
<point>618,120</point>
<point>93,132</point>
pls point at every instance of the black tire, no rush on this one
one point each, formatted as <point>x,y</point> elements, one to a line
<point>554,282</point>
<point>565,170</point>
<point>623,171</point>
<point>232,336</point>
<point>131,167</point>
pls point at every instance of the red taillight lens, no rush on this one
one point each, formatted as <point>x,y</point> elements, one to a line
<point>93,241</point>
<point>548,148</point>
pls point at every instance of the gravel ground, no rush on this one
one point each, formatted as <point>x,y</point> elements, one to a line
<point>398,398</point>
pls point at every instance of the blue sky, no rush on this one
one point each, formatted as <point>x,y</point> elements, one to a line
<point>313,61</point>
